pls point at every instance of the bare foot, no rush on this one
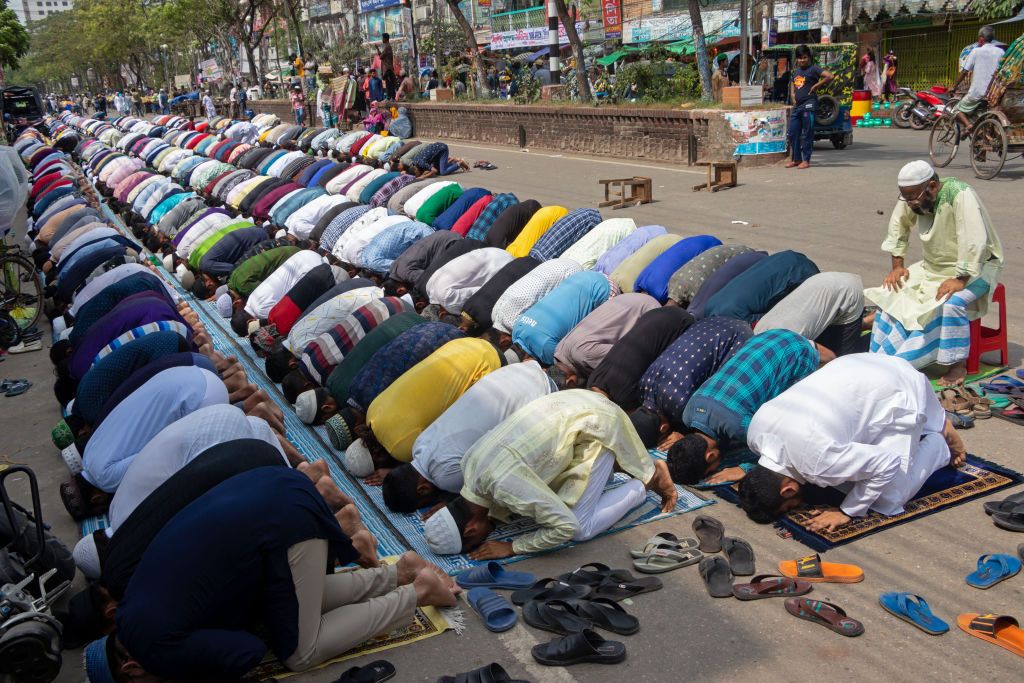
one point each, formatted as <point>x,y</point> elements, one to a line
<point>957,450</point>
<point>331,494</point>
<point>314,470</point>
<point>366,545</point>
<point>349,520</point>
<point>409,565</point>
<point>240,393</point>
<point>868,321</point>
<point>258,396</point>
<point>430,590</point>
<point>955,375</point>
<point>261,410</point>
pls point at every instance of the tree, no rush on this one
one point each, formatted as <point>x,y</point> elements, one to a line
<point>994,9</point>
<point>14,42</point>
<point>701,48</point>
<point>577,49</point>
<point>467,31</point>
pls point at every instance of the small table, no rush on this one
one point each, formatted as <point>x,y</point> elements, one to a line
<point>628,192</point>
<point>721,174</point>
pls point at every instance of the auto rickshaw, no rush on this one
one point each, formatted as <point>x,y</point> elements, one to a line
<point>832,117</point>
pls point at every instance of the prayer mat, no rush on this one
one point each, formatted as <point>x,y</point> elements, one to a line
<point>944,489</point>
<point>984,372</point>
<point>427,622</point>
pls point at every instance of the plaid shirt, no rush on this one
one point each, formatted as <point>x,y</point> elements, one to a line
<point>342,222</point>
<point>381,196</point>
<point>566,230</point>
<point>487,217</point>
<point>760,370</point>
<point>388,245</point>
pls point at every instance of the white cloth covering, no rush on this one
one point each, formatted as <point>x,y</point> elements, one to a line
<point>869,424</point>
<point>270,291</point>
<point>453,283</point>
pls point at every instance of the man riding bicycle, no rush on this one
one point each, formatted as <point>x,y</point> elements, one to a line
<point>983,62</point>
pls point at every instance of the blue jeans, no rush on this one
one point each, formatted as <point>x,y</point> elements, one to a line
<point>300,116</point>
<point>444,167</point>
<point>801,133</point>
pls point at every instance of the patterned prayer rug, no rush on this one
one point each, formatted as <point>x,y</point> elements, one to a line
<point>944,489</point>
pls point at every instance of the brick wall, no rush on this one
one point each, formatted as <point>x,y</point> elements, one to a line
<point>615,132</point>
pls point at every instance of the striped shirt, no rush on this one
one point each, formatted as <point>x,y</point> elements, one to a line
<point>564,233</point>
<point>340,224</point>
<point>141,331</point>
<point>384,194</point>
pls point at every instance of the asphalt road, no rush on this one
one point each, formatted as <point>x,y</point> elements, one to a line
<point>836,213</point>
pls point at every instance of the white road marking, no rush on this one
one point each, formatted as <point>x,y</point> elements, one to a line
<point>457,143</point>
<point>519,641</point>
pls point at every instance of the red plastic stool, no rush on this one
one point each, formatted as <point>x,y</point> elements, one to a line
<point>984,339</point>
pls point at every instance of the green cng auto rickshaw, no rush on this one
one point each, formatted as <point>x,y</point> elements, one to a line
<point>832,117</point>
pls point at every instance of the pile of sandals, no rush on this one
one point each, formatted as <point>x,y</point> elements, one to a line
<point>1008,393</point>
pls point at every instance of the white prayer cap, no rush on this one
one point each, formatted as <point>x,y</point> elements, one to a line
<point>305,406</point>
<point>169,263</point>
<point>224,305</point>
<point>223,289</point>
<point>72,458</point>
<point>280,233</point>
<point>442,533</point>
<point>254,326</point>
<point>358,460</point>
<point>915,173</point>
<point>339,274</point>
<point>87,558</point>
<point>185,276</point>
<point>511,356</point>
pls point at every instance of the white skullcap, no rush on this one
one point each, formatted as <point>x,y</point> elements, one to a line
<point>169,263</point>
<point>339,274</point>
<point>185,276</point>
<point>87,558</point>
<point>442,533</point>
<point>224,305</point>
<point>358,460</point>
<point>254,326</point>
<point>71,456</point>
<point>915,173</point>
<point>511,356</point>
<point>305,406</point>
<point>280,233</point>
<point>223,289</point>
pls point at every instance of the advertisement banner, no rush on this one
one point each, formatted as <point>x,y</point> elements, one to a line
<point>209,70</point>
<point>528,37</point>
<point>373,5</point>
<point>612,13</point>
<point>800,21</point>
<point>388,21</point>
<point>757,132</point>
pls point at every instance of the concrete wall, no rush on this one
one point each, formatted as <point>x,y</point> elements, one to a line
<point>662,135</point>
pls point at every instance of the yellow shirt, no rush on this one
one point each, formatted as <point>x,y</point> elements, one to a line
<point>427,389</point>
<point>537,462</point>
<point>535,228</point>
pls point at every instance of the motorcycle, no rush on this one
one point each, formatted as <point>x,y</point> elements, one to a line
<point>927,106</point>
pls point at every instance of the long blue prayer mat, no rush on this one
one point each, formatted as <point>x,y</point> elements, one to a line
<point>395,532</point>
<point>946,488</point>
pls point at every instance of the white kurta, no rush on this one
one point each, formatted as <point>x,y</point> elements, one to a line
<point>452,284</point>
<point>270,291</point>
<point>868,424</point>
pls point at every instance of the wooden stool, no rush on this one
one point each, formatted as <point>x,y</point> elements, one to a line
<point>721,174</point>
<point>629,192</point>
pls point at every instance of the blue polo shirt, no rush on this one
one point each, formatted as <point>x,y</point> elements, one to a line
<point>539,329</point>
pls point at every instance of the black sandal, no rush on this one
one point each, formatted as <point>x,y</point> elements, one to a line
<point>717,576</point>
<point>586,646</point>
<point>550,589</point>
<point>617,591</point>
<point>374,672</point>
<point>594,574</point>
<point>741,556</point>
<point>556,616</point>
<point>607,615</point>
<point>492,672</point>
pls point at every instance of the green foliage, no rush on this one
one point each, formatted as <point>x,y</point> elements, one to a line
<point>448,37</point>
<point>995,9</point>
<point>527,87</point>
<point>347,51</point>
<point>14,42</point>
<point>660,81</point>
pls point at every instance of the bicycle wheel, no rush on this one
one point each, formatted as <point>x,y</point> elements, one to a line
<point>21,292</point>
<point>988,148</point>
<point>944,141</point>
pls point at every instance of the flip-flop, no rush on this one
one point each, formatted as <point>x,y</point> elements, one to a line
<point>1003,631</point>
<point>586,646</point>
<point>497,614</point>
<point>1005,505</point>
<point>549,589</point>
<point>992,569</point>
<point>1013,413</point>
<point>709,532</point>
<point>812,569</point>
<point>914,610</point>
<point>770,586</point>
<point>717,576</point>
<point>665,559</point>
<point>491,673</point>
<point>1012,520</point>
<point>829,615</point>
<point>616,591</point>
<point>741,556</point>
<point>594,574</point>
<point>664,540</point>
<point>556,616</point>
<point>607,615</point>
<point>18,388</point>
<point>1003,384</point>
<point>493,575</point>
<point>374,672</point>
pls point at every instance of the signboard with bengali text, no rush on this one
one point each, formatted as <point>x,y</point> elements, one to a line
<point>372,5</point>
<point>611,11</point>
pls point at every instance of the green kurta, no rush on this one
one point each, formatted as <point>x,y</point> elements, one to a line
<point>438,202</point>
<point>248,275</point>
<point>200,250</point>
<point>957,240</point>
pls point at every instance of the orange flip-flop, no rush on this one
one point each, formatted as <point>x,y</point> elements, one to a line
<point>1003,631</point>
<point>812,569</point>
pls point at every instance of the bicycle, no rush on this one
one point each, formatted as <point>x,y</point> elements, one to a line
<point>21,289</point>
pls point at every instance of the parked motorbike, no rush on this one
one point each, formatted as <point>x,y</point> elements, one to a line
<point>924,108</point>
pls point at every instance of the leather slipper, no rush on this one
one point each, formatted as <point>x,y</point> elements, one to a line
<point>769,586</point>
<point>993,506</point>
<point>1011,521</point>
<point>549,589</point>
<point>717,576</point>
<point>829,615</point>
<point>741,556</point>
<point>709,532</point>
<point>586,646</point>
<point>812,569</point>
<point>374,672</point>
<point>491,673</point>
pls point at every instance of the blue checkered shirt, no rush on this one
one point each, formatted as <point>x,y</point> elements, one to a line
<point>383,249</point>
<point>564,233</point>
<point>486,219</point>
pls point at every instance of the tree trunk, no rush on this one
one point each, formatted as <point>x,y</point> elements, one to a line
<point>582,83</point>
<point>293,6</point>
<point>250,58</point>
<point>699,46</point>
<point>467,30</point>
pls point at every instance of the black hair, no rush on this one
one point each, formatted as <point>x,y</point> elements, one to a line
<point>321,396</point>
<point>459,508</point>
<point>686,461</point>
<point>279,363</point>
<point>40,256</point>
<point>385,37</point>
<point>64,389</point>
<point>75,423</point>
<point>558,376</point>
<point>240,322</point>
<point>647,425</point>
<point>519,351</point>
<point>804,51</point>
<point>60,351</point>
<point>293,384</point>
<point>390,287</point>
<point>399,489</point>
<point>153,242</point>
<point>200,289</point>
<point>759,494</point>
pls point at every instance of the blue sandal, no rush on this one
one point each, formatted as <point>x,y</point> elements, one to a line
<point>992,569</point>
<point>498,615</point>
<point>914,610</point>
<point>493,575</point>
<point>1003,384</point>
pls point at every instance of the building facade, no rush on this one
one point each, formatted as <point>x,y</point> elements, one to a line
<point>33,10</point>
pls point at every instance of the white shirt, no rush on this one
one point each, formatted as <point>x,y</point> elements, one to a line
<point>452,284</point>
<point>360,185</point>
<point>200,231</point>
<point>277,168</point>
<point>335,184</point>
<point>866,422</point>
<point>355,232</point>
<point>270,291</point>
<point>983,61</point>
<point>438,450</point>
<point>211,110</point>
<point>178,444</point>
<point>416,202</point>
<point>302,221</point>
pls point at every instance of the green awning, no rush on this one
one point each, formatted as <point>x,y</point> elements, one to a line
<point>612,58</point>
<point>682,48</point>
